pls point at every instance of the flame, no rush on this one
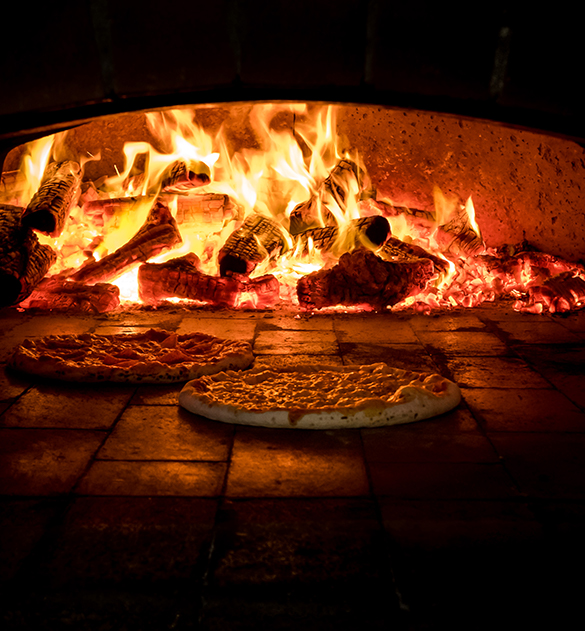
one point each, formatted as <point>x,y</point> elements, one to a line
<point>299,161</point>
<point>470,212</point>
<point>33,166</point>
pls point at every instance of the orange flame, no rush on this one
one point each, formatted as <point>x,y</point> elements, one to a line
<point>297,149</point>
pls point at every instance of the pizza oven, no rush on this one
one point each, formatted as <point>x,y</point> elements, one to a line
<point>491,119</point>
<point>122,509</point>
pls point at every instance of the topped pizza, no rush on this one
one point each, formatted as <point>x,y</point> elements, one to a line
<point>320,397</point>
<point>152,356</point>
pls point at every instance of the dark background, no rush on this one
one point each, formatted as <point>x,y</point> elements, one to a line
<point>517,62</point>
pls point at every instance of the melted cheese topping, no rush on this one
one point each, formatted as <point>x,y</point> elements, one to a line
<point>313,388</point>
<point>153,356</point>
<point>134,350</point>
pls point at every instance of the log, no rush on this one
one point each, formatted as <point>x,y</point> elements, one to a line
<point>527,267</point>
<point>184,175</point>
<point>376,229</point>
<point>55,294</point>
<point>362,278</point>
<point>23,260</point>
<point>192,210</point>
<point>414,216</point>
<point>159,233</point>
<point>455,237</point>
<point>396,250</point>
<point>101,211</point>
<point>50,206</point>
<point>334,190</point>
<point>458,237</point>
<point>559,294</point>
<point>181,278</point>
<point>12,184</point>
<point>257,239</point>
<point>195,209</point>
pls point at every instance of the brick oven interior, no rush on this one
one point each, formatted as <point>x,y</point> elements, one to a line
<point>122,511</point>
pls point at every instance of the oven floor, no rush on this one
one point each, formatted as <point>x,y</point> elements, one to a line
<point>122,511</point>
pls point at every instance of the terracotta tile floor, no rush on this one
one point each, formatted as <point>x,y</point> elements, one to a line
<point>122,511</point>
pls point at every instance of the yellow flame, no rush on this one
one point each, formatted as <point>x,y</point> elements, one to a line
<point>296,148</point>
<point>34,164</point>
<point>470,211</point>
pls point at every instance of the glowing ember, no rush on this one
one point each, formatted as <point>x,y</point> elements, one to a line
<point>230,226</point>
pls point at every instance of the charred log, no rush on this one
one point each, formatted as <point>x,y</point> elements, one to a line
<point>257,239</point>
<point>396,250</point>
<point>373,229</point>
<point>12,184</point>
<point>192,209</point>
<point>54,294</point>
<point>528,266</point>
<point>313,213</point>
<point>159,233</point>
<point>458,236</point>
<point>23,260</point>
<point>423,219</point>
<point>362,278</point>
<point>181,176</point>
<point>101,211</point>
<point>181,278</point>
<point>205,208</point>
<point>558,294</point>
<point>184,175</point>
<point>50,206</point>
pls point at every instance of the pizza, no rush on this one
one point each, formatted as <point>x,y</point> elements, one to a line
<point>152,356</point>
<point>320,397</point>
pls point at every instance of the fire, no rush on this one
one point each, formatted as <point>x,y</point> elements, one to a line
<point>254,222</point>
<point>34,163</point>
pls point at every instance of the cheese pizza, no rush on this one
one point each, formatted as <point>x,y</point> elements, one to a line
<point>151,356</point>
<point>320,397</point>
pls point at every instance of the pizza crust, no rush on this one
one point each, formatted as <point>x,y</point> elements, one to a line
<point>150,357</point>
<point>321,397</point>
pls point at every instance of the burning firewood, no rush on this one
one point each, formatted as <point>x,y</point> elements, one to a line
<point>362,278</point>
<point>181,278</point>
<point>462,238</point>
<point>192,209</point>
<point>395,250</point>
<point>206,208</point>
<point>527,266</point>
<point>255,240</point>
<point>101,210</point>
<point>23,260</point>
<point>181,176</point>
<point>185,175</point>
<point>314,212</point>
<point>559,294</point>
<point>375,228</point>
<point>50,206</point>
<point>55,294</point>
<point>159,233</point>
<point>457,236</point>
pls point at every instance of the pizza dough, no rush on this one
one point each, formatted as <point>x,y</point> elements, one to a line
<point>320,397</point>
<point>152,356</point>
